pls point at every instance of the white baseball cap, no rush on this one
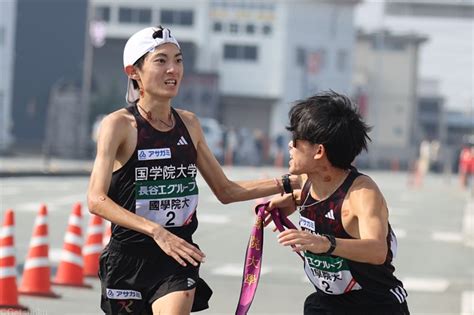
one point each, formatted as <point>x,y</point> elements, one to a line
<point>137,46</point>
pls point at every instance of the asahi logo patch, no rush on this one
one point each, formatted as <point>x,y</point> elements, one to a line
<point>154,154</point>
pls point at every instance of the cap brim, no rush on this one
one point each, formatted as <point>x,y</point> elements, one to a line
<point>132,94</point>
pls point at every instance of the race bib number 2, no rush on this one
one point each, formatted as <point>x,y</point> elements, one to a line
<point>330,274</point>
<point>170,203</point>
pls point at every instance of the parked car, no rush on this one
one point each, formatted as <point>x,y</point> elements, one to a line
<point>214,135</point>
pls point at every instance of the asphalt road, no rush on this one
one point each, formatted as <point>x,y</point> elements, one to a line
<point>435,257</point>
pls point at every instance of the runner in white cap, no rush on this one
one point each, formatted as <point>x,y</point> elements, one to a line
<point>144,182</point>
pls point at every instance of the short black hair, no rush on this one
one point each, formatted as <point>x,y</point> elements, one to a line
<point>333,120</point>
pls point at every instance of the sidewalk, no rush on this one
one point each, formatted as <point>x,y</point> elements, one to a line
<point>22,166</point>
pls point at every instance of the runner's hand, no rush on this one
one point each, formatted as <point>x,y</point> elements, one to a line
<point>304,240</point>
<point>178,248</point>
<point>285,203</point>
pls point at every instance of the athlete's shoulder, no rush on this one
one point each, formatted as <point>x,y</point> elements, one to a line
<point>363,184</point>
<point>190,119</point>
<point>120,118</point>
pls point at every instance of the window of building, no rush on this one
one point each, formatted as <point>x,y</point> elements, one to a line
<point>131,15</point>
<point>250,29</point>
<point>187,18</point>
<point>217,27</point>
<point>102,13</point>
<point>240,52</point>
<point>300,57</point>
<point>341,60</point>
<point>125,15</point>
<point>144,16</point>
<point>177,17</point>
<point>267,29</point>
<point>166,17</point>
<point>250,52</point>
<point>234,28</point>
<point>382,42</point>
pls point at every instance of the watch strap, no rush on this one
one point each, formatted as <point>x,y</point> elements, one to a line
<point>286,183</point>
<point>332,241</point>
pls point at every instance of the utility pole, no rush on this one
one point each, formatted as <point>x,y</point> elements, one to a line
<point>84,136</point>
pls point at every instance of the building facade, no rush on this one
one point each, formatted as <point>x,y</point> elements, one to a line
<point>49,48</point>
<point>264,54</point>
<point>386,73</point>
<point>7,57</point>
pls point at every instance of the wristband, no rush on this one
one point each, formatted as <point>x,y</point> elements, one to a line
<point>332,240</point>
<point>285,180</point>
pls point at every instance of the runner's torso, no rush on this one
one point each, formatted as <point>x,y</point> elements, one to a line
<point>340,281</point>
<point>158,182</point>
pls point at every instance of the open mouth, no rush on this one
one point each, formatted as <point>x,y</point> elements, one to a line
<point>171,82</point>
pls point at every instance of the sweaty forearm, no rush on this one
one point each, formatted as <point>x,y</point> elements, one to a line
<point>251,189</point>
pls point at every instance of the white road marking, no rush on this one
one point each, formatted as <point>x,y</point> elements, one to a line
<point>213,218</point>
<point>425,284</point>
<point>235,270</point>
<point>395,211</point>
<point>468,224</point>
<point>54,205</point>
<point>451,237</point>
<point>7,190</point>
<point>467,303</point>
<point>400,233</point>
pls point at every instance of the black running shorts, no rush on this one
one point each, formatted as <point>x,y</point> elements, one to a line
<point>134,276</point>
<point>312,306</point>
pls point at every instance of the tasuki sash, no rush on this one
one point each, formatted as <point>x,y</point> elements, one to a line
<point>254,255</point>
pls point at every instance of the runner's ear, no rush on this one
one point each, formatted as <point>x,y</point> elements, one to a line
<point>320,151</point>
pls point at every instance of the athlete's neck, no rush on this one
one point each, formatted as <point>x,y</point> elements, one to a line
<point>327,182</point>
<point>157,112</point>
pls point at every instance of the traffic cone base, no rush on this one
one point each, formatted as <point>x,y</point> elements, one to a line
<point>8,287</point>
<point>13,308</point>
<point>50,294</point>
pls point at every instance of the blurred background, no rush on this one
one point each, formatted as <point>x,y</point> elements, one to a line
<point>408,65</point>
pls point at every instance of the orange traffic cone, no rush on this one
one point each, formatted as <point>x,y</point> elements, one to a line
<point>8,288</point>
<point>93,247</point>
<point>37,272</point>
<point>107,233</point>
<point>70,270</point>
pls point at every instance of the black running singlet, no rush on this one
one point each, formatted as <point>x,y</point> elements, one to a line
<point>339,281</point>
<point>158,182</point>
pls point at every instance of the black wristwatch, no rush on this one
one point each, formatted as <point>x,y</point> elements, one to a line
<point>285,180</point>
<point>332,240</point>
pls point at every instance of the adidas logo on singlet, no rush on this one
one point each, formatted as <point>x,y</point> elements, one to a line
<point>182,141</point>
<point>191,282</point>
<point>330,215</point>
